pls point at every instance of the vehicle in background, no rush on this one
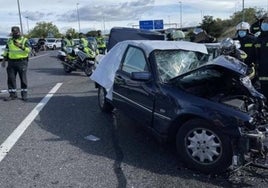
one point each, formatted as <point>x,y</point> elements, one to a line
<point>41,43</point>
<point>118,34</point>
<point>210,109</point>
<point>53,43</point>
<point>3,42</point>
<point>74,58</point>
<point>33,42</point>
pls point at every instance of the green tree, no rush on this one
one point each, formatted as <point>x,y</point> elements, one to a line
<point>72,32</point>
<point>226,28</point>
<point>249,16</point>
<point>44,29</point>
<point>211,26</point>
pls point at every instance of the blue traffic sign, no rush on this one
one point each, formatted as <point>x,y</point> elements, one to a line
<point>147,24</point>
<point>151,24</point>
<point>158,24</point>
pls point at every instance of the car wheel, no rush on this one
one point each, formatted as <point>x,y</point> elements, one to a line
<point>203,147</point>
<point>54,47</point>
<point>104,105</point>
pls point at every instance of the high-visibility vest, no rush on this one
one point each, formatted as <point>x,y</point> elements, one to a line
<point>101,42</point>
<point>69,43</point>
<point>14,52</point>
<point>84,42</point>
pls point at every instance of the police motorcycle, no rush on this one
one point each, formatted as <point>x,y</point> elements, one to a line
<point>74,58</point>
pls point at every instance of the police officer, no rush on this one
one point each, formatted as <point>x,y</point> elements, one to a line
<point>17,53</point>
<point>84,46</point>
<point>100,42</point>
<point>247,44</point>
<point>262,56</point>
<point>67,42</point>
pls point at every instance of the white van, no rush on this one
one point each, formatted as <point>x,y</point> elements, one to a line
<point>53,43</point>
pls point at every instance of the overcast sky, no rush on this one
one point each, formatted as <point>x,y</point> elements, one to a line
<point>105,14</point>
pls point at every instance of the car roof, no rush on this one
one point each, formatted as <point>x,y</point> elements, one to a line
<point>151,45</point>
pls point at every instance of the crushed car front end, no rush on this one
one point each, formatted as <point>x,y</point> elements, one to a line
<point>224,83</point>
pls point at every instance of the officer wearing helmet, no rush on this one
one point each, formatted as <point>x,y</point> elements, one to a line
<point>67,42</point>
<point>17,54</point>
<point>84,46</point>
<point>247,42</point>
<point>101,44</point>
<point>262,58</point>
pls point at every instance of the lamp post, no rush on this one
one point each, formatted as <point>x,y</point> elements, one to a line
<point>27,23</point>
<point>243,11</point>
<point>20,17</point>
<point>180,15</point>
<point>78,18</point>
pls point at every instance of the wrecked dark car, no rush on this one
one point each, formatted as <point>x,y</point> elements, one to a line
<point>210,109</point>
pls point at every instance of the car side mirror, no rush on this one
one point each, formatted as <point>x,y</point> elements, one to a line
<point>141,76</point>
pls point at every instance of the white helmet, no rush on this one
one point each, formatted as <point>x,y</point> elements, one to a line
<point>178,35</point>
<point>243,26</point>
<point>227,46</point>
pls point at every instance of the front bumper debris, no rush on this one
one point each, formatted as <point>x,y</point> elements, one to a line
<point>258,147</point>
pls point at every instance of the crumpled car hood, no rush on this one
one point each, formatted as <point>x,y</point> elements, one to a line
<point>221,78</point>
<point>229,63</point>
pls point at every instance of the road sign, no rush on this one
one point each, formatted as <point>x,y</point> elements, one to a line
<point>158,24</point>
<point>147,24</point>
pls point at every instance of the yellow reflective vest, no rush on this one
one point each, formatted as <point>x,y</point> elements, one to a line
<point>14,52</point>
<point>101,42</point>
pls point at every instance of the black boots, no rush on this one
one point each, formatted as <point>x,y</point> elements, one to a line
<point>24,96</point>
<point>12,96</point>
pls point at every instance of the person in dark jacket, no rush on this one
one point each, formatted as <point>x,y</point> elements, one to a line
<point>255,28</point>
<point>247,44</point>
<point>262,56</point>
<point>201,36</point>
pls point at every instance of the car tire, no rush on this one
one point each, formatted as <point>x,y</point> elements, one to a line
<point>104,105</point>
<point>54,48</point>
<point>203,147</point>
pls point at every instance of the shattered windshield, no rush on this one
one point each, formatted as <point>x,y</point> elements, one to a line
<point>172,63</point>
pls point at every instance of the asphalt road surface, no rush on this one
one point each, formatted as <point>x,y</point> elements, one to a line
<point>59,138</point>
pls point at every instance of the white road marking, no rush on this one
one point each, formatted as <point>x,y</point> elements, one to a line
<point>17,133</point>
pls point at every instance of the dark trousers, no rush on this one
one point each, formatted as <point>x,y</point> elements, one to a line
<point>14,68</point>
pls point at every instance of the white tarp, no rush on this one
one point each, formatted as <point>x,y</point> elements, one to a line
<point>104,73</point>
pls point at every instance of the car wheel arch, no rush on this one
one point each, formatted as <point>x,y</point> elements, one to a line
<point>179,121</point>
